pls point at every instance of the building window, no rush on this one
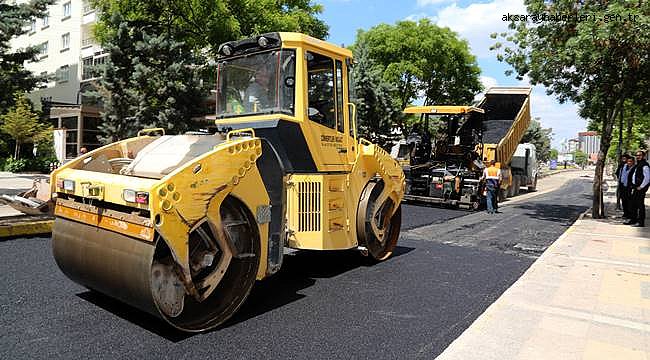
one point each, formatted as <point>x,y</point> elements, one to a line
<point>46,20</point>
<point>92,67</point>
<point>101,60</point>
<point>65,41</point>
<point>42,49</point>
<point>87,69</point>
<point>32,26</point>
<point>91,132</point>
<point>70,124</point>
<point>67,10</point>
<point>87,37</point>
<point>63,75</point>
<point>87,7</point>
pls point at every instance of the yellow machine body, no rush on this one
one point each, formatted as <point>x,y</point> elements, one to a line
<point>181,226</point>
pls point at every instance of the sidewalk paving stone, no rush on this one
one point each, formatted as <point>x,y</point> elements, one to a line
<point>586,297</point>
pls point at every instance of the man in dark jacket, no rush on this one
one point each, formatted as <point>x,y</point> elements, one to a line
<point>625,186</point>
<point>619,195</point>
<point>640,181</point>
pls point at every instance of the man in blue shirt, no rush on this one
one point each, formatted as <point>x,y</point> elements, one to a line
<point>625,190</point>
<point>619,194</point>
<point>640,181</point>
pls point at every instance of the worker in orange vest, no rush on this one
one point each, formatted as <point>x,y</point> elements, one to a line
<point>492,177</point>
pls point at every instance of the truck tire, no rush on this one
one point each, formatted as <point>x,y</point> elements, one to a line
<point>503,194</point>
<point>533,187</point>
<point>516,185</point>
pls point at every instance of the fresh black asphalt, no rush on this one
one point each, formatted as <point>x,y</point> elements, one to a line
<point>330,305</point>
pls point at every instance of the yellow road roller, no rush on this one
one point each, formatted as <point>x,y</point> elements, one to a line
<point>181,226</point>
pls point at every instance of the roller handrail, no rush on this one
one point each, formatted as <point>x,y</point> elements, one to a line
<point>240,132</point>
<point>150,130</point>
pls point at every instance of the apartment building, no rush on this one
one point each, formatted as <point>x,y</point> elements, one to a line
<point>67,49</point>
<point>590,143</point>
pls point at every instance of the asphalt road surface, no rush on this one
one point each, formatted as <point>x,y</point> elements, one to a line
<point>449,267</point>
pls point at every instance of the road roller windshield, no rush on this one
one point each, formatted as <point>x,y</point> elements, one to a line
<point>259,83</point>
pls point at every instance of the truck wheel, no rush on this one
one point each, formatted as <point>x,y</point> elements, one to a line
<point>503,195</point>
<point>533,187</point>
<point>516,185</point>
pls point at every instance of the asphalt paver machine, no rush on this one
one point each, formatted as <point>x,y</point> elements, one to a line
<point>443,166</point>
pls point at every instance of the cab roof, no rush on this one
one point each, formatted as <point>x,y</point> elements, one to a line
<point>442,110</point>
<point>276,40</point>
<point>292,37</point>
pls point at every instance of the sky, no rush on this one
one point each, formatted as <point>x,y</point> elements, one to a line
<point>473,21</point>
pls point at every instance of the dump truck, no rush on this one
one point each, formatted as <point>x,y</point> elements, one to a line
<point>524,168</point>
<point>507,117</point>
<point>444,167</point>
<point>181,226</point>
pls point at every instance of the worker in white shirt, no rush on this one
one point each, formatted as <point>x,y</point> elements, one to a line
<point>492,177</point>
<point>640,179</point>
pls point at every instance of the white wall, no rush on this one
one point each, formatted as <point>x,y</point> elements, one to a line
<point>56,55</point>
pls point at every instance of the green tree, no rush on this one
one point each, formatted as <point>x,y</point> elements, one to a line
<point>375,108</point>
<point>580,157</point>
<point>598,64</point>
<point>159,51</point>
<point>149,81</point>
<point>539,137</point>
<point>553,154</point>
<point>635,131</point>
<point>422,60</point>
<point>14,78</point>
<point>206,24</point>
<point>23,125</point>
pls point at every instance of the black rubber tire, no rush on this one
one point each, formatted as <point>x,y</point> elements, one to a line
<point>378,250</point>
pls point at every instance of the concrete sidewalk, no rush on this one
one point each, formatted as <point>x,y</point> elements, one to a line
<point>586,297</point>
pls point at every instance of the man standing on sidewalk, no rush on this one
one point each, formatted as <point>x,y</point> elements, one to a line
<point>619,194</point>
<point>624,188</point>
<point>492,177</point>
<point>640,180</point>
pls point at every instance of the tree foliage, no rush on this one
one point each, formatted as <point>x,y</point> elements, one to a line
<point>635,131</point>
<point>580,157</point>
<point>553,154</point>
<point>423,61</point>
<point>539,137</point>
<point>156,74</point>
<point>597,62</point>
<point>150,81</point>
<point>376,110</point>
<point>23,125</point>
<point>14,78</point>
<point>206,24</point>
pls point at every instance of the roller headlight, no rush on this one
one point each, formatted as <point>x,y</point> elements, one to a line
<point>138,197</point>
<point>128,195</point>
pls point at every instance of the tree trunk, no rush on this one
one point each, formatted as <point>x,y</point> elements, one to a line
<point>17,150</point>
<point>598,206</point>
<point>628,130</point>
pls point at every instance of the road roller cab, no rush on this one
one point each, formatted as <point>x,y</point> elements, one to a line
<point>181,226</point>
